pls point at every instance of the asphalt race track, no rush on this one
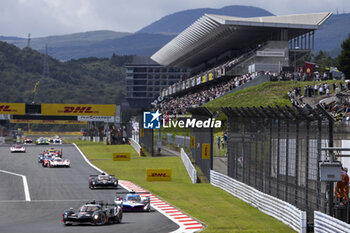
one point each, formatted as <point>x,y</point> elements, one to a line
<point>52,190</point>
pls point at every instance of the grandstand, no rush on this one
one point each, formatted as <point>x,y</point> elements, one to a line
<point>216,48</point>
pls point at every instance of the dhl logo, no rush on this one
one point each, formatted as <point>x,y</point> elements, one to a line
<point>6,108</point>
<point>78,109</point>
<point>154,174</point>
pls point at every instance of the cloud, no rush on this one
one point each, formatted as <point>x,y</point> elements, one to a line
<point>48,17</point>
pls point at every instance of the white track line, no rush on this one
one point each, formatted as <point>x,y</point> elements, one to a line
<point>25,183</point>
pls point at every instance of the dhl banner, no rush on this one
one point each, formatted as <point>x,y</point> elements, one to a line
<point>158,174</point>
<point>13,108</point>
<point>193,142</point>
<point>205,151</point>
<point>121,156</point>
<point>59,122</point>
<point>78,109</point>
<point>210,76</point>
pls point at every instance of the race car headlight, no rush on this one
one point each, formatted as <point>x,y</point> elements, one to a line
<point>93,182</point>
<point>115,183</point>
<point>96,216</point>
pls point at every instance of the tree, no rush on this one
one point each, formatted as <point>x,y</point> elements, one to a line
<point>344,57</point>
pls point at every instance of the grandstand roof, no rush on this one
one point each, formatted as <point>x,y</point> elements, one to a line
<point>212,35</point>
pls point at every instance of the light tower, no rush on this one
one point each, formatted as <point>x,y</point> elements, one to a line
<point>28,41</point>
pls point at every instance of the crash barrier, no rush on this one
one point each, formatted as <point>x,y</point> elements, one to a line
<point>85,138</point>
<point>136,146</point>
<point>189,166</point>
<point>326,223</point>
<point>2,140</point>
<point>105,140</point>
<point>281,210</point>
<point>96,139</point>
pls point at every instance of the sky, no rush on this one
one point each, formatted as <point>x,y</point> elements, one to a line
<point>57,17</point>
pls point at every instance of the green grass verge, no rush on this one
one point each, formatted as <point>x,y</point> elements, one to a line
<point>216,208</point>
<point>265,94</point>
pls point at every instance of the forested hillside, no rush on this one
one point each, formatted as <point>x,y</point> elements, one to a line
<point>88,80</point>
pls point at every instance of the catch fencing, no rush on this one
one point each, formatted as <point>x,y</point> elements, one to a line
<point>202,145</point>
<point>189,166</point>
<point>277,151</point>
<point>281,210</point>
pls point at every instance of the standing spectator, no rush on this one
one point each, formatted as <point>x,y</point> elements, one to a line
<point>327,92</point>
<point>219,141</point>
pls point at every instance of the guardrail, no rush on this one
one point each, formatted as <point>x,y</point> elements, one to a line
<point>326,223</point>
<point>85,138</point>
<point>136,146</point>
<point>189,166</point>
<point>281,210</point>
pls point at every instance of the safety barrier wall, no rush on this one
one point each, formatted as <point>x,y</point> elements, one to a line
<point>325,223</point>
<point>96,139</point>
<point>85,138</point>
<point>2,139</point>
<point>189,166</point>
<point>136,146</point>
<point>270,205</point>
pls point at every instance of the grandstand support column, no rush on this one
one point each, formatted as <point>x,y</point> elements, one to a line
<point>330,183</point>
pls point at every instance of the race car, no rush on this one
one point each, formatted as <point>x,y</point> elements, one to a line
<point>43,156</point>
<point>93,213</point>
<point>133,202</point>
<point>17,148</point>
<point>56,162</point>
<point>103,180</point>
<point>28,141</point>
<point>42,141</point>
<point>55,152</point>
<point>56,140</point>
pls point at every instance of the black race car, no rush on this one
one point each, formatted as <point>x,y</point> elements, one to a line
<point>103,180</point>
<point>96,213</point>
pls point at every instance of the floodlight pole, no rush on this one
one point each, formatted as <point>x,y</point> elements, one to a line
<point>330,183</point>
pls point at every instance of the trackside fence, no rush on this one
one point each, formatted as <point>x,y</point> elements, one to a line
<point>324,223</point>
<point>136,146</point>
<point>189,166</point>
<point>281,210</point>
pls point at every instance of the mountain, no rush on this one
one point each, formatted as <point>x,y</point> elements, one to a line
<point>135,44</point>
<point>152,37</point>
<point>88,80</point>
<point>177,22</point>
<point>69,40</point>
<point>332,33</point>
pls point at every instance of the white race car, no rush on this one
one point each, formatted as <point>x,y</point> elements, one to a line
<point>56,140</point>
<point>17,148</point>
<point>58,162</point>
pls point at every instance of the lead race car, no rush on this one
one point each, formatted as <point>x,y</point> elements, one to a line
<point>103,180</point>
<point>96,213</point>
<point>134,202</point>
<point>17,148</point>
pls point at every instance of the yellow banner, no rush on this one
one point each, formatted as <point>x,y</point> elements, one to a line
<point>193,142</point>
<point>204,79</point>
<point>142,132</point>
<point>158,174</point>
<point>205,151</point>
<point>13,108</point>
<point>59,122</point>
<point>210,76</point>
<point>121,156</point>
<point>78,109</point>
